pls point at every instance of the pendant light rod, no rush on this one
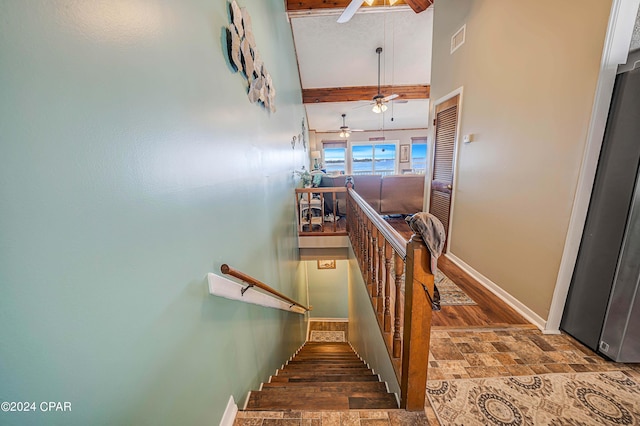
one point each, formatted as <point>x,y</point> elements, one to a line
<point>379,51</point>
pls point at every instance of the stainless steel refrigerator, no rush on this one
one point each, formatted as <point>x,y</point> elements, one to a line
<point>603,304</point>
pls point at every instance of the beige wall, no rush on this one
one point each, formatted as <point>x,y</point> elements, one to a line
<point>528,72</point>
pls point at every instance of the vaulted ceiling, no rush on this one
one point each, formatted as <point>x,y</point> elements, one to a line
<point>339,65</point>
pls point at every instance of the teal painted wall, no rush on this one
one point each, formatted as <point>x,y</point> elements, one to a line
<point>328,290</point>
<point>364,333</point>
<point>131,165</point>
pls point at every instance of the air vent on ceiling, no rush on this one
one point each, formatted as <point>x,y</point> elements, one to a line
<point>457,39</point>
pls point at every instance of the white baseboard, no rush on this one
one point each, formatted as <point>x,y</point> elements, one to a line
<point>518,306</point>
<point>328,319</point>
<point>229,415</point>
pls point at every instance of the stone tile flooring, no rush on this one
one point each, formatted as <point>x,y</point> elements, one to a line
<point>459,354</point>
<point>474,353</point>
<point>330,418</point>
<point>483,353</point>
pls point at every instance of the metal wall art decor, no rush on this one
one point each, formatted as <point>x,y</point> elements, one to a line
<point>303,135</point>
<point>244,57</point>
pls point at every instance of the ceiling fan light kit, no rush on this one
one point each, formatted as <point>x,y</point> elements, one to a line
<point>344,129</point>
<point>379,106</point>
<point>379,100</point>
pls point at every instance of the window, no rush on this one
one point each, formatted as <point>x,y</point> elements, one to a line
<point>376,158</point>
<point>419,158</point>
<point>419,155</point>
<point>335,157</point>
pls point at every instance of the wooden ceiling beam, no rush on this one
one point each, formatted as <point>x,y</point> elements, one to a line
<point>302,5</point>
<point>419,5</point>
<point>363,93</point>
<point>308,5</point>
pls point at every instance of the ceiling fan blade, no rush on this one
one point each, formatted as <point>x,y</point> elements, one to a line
<point>400,101</point>
<point>356,130</point>
<point>350,11</point>
<point>388,98</point>
<point>368,104</point>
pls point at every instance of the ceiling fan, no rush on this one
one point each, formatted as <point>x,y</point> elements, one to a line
<point>344,129</point>
<point>417,6</point>
<point>379,100</point>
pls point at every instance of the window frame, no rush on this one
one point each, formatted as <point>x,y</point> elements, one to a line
<point>373,143</point>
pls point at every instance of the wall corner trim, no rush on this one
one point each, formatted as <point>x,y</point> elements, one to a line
<point>507,298</point>
<point>615,52</point>
<point>230,412</point>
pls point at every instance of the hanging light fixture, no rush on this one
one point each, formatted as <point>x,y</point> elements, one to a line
<point>344,129</point>
<point>379,105</point>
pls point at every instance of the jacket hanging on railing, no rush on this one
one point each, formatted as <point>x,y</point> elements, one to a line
<point>432,232</point>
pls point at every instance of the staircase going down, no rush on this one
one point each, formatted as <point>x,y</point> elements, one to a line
<point>323,376</point>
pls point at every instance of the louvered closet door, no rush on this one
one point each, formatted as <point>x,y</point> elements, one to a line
<point>443,162</point>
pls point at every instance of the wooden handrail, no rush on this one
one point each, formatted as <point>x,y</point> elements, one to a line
<point>395,239</point>
<point>319,190</point>
<point>398,279</point>
<point>228,270</point>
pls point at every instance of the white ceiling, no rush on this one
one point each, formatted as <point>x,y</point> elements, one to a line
<point>332,55</point>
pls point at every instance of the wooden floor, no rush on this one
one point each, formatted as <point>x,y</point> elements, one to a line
<point>328,227</point>
<point>490,311</point>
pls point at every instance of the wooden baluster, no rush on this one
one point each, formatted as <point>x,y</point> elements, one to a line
<point>386,282</point>
<point>367,263</point>
<point>417,326</point>
<point>399,311</point>
<point>373,270</point>
<point>388,260</point>
<point>360,239</point>
<point>358,248</point>
<point>376,270</point>
<point>363,227</point>
<point>379,262</point>
<point>299,211</point>
<point>335,211</point>
<point>350,215</point>
<point>322,211</point>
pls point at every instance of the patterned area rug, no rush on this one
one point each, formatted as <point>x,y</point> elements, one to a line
<point>610,398</point>
<point>450,293</point>
<point>327,336</point>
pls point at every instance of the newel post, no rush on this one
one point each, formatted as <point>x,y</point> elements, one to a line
<point>417,325</point>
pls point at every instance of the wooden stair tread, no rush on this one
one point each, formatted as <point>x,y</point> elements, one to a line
<point>331,378</point>
<point>323,376</point>
<point>297,364</point>
<point>327,386</point>
<point>310,393</point>
<point>321,401</point>
<point>326,372</point>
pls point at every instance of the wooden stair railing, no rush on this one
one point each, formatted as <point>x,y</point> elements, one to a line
<point>397,275</point>
<point>304,198</point>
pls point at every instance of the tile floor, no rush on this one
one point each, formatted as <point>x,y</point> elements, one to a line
<point>459,354</point>
<point>330,418</point>
<point>482,353</point>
